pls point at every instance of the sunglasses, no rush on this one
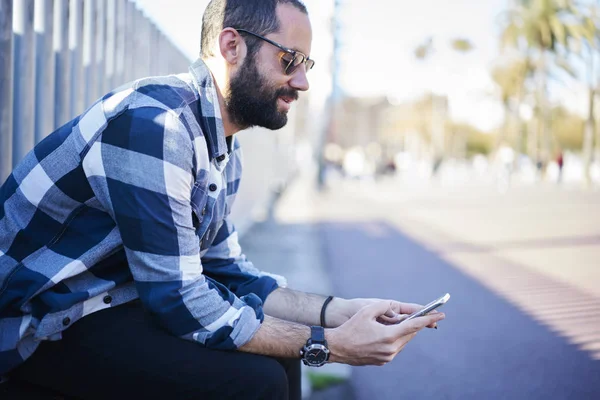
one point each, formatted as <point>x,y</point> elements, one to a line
<point>290,59</point>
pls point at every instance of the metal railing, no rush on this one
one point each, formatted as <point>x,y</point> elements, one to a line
<point>58,56</point>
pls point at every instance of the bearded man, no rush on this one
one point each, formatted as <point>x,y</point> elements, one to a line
<point>121,275</point>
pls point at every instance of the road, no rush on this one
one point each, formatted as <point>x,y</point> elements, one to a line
<point>522,268</point>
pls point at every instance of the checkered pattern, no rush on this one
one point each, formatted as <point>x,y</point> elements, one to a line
<point>129,200</point>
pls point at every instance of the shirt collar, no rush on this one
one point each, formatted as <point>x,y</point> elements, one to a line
<point>210,113</point>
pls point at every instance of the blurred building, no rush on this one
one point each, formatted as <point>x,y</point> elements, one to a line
<point>359,121</point>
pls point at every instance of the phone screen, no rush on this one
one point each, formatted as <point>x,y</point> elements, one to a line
<point>429,307</point>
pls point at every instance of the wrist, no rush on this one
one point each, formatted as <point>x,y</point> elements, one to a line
<point>316,352</point>
<point>334,345</point>
<point>337,312</point>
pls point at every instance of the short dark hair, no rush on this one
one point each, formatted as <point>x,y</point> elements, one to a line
<point>258,16</point>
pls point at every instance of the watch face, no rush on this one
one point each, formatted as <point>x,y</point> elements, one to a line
<point>316,355</point>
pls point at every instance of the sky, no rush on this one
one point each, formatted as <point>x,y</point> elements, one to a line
<point>377,55</point>
<point>379,38</point>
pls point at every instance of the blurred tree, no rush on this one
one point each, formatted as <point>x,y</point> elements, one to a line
<point>568,129</point>
<point>477,142</point>
<point>425,49</point>
<point>462,45</point>
<point>438,116</point>
<point>540,30</point>
<point>511,79</point>
<point>587,45</point>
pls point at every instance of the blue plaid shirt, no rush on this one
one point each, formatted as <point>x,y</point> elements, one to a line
<point>129,200</point>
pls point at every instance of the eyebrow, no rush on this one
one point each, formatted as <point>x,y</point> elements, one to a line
<point>273,42</point>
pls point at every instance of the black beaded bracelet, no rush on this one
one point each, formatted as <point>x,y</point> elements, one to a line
<point>327,300</point>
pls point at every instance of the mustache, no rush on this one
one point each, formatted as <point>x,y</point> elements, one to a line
<point>287,92</point>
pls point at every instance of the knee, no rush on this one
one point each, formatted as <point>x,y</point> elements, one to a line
<point>266,380</point>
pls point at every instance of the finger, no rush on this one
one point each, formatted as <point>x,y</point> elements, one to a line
<point>396,319</point>
<point>377,309</point>
<point>408,308</point>
<point>403,341</point>
<point>390,312</point>
<point>416,324</point>
<point>432,326</point>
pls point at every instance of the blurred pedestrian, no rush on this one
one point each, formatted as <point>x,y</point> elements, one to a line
<point>560,162</point>
<point>121,275</point>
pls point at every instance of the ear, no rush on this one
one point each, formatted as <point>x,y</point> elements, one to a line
<point>231,46</point>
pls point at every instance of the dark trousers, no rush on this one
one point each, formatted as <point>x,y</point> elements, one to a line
<point>119,353</point>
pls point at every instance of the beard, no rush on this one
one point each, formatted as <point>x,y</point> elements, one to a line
<point>252,101</point>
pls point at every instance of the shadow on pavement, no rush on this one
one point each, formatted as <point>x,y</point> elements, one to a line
<point>485,349</point>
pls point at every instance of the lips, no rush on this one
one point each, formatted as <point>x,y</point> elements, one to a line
<point>286,99</point>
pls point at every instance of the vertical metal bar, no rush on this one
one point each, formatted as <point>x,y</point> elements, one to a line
<point>168,50</point>
<point>140,38</point>
<point>109,53</point>
<point>100,48</point>
<point>130,39</point>
<point>76,56</point>
<point>162,54</point>
<point>44,68</point>
<point>6,87</point>
<point>153,54</point>
<point>159,53</point>
<point>61,59</point>
<point>89,53</point>
<point>23,106</point>
<point>168,56</point>
<point>145,45</point>
<point>126,42</point>
<point>150,46</point>
<point>119,43</point>
<point>135,61</point>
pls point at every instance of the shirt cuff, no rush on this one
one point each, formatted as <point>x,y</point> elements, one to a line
<point>261,286</point>
<point>247,325</point>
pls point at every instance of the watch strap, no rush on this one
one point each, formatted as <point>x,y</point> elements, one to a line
<point>317,334</point>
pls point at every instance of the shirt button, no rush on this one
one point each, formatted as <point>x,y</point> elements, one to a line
<point>204,211</point>
<point>212,187</point>
<point>66,321</point>
<point>107,299</point>
<point>221,158</point>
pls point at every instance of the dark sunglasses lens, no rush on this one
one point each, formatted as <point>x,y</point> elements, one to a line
<point>287,61</point>
<point>291,67</point>
<point>298,59</point>
<point>295,63</point>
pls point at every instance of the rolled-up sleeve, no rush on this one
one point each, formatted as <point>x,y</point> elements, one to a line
<point>141,169</point>
<point>224,261</point>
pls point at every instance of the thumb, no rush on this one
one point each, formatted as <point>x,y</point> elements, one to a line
<point>416,324</point>
<point>376,309</point>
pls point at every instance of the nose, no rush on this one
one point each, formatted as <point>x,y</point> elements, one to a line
<point>298,80</point>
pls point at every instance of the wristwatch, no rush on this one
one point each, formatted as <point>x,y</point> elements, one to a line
<point>315,352</point>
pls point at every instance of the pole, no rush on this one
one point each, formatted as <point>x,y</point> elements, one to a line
<point>23,105</point>
<point>76,57</point>
<point>6,87</point>
<point>61,63</point>
<point>89,53</point>
<point>100,48</point>
<point>44,69</point>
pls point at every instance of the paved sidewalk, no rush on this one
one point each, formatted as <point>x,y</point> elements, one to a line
<point>522,270</point>
<point>289,244</point>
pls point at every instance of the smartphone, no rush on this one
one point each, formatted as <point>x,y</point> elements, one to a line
<point>429,307</point>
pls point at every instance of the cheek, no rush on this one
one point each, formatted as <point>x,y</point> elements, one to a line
<point>271,72</point>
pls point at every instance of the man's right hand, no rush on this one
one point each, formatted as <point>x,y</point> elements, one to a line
<point>362,340</point>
